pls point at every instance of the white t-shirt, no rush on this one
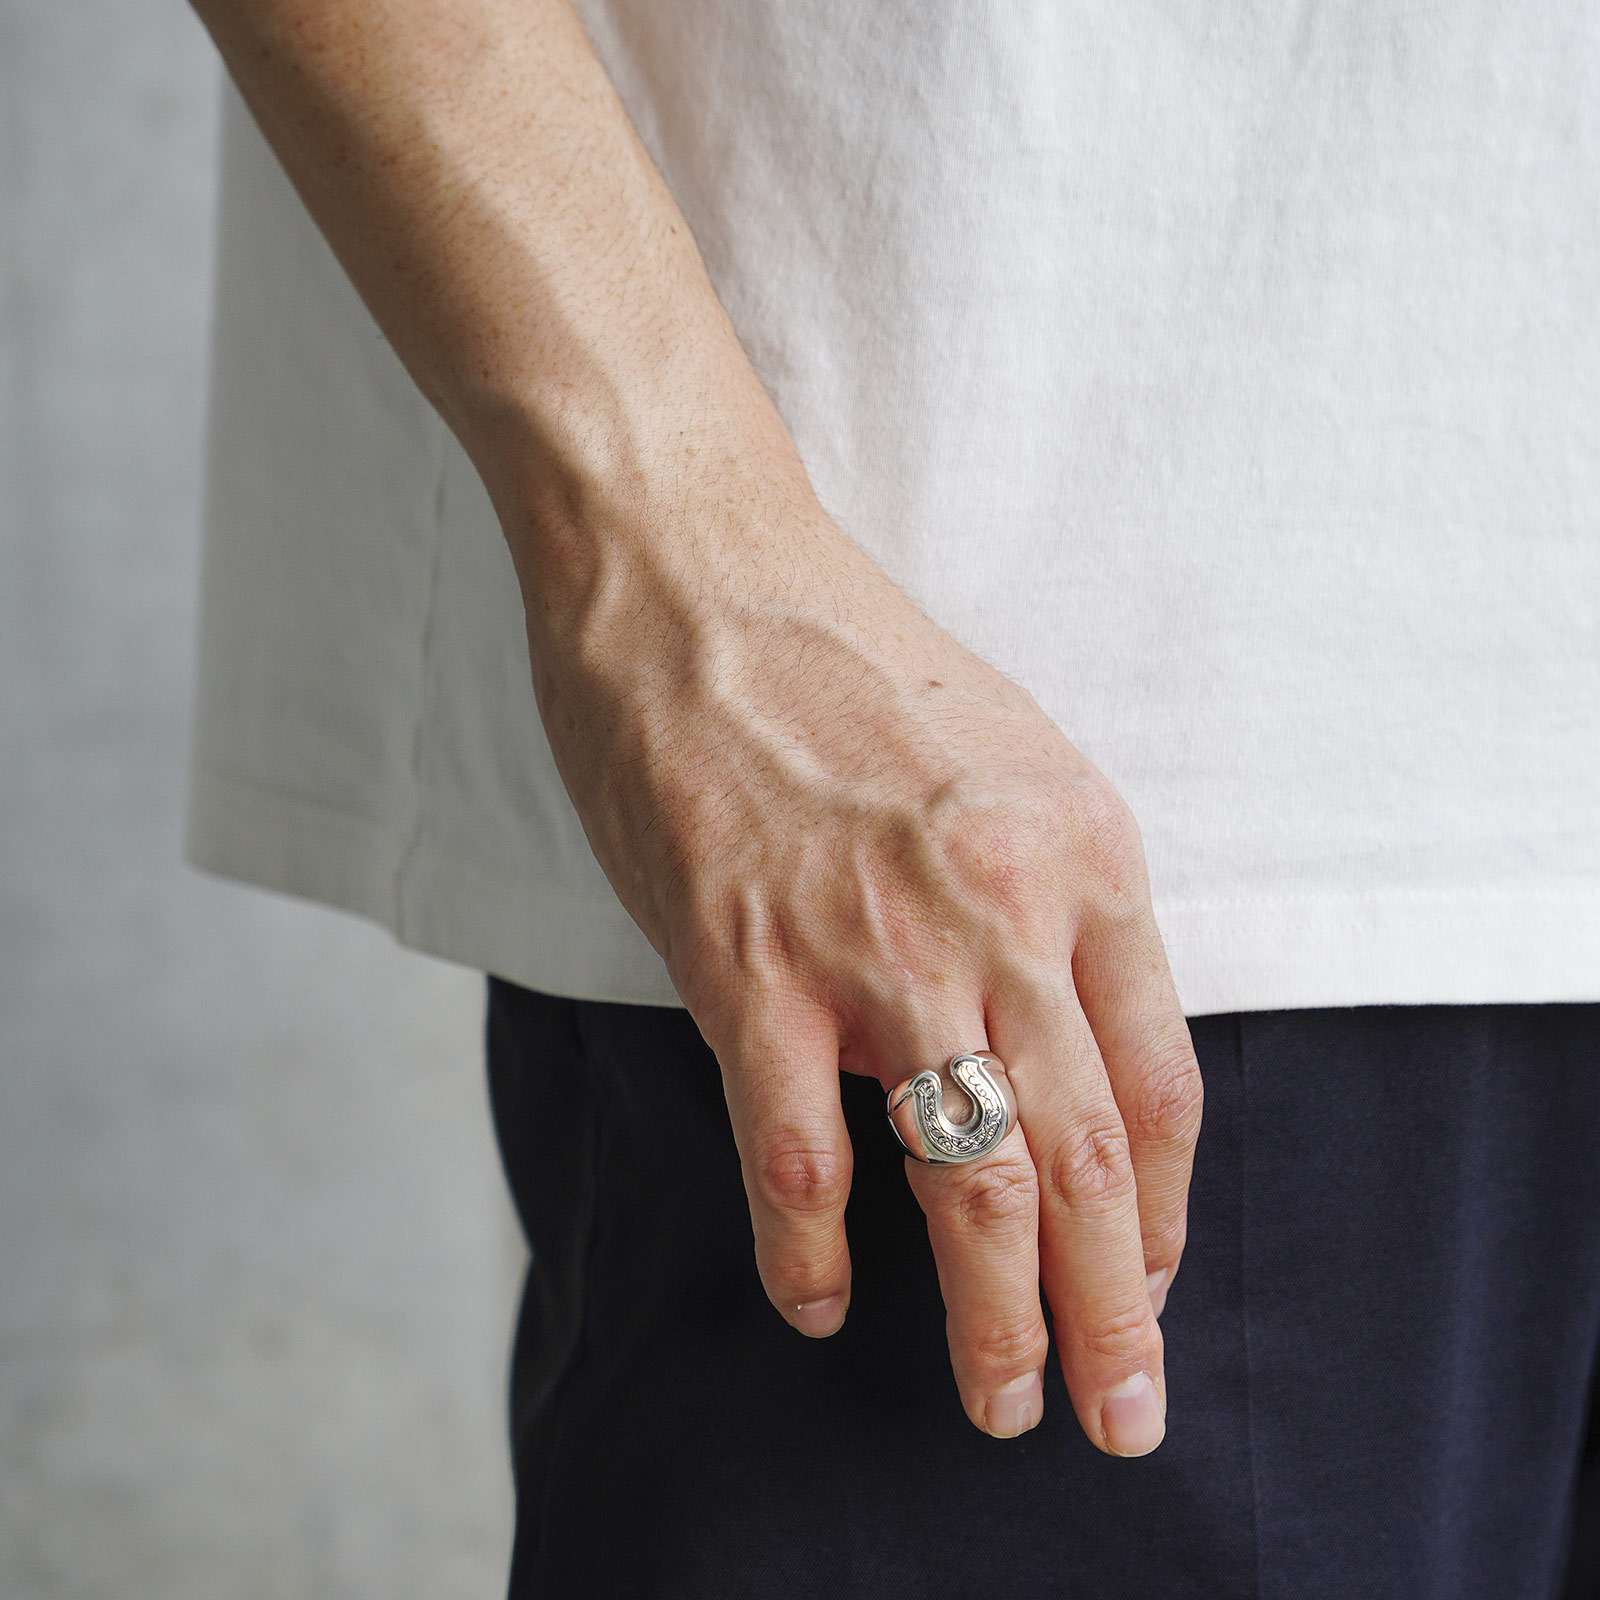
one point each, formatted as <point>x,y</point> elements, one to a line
<point>1227,374</point>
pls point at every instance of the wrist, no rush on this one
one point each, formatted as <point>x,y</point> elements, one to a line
<point>616,506</point>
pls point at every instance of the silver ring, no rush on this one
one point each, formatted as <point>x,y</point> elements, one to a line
<point>917,1115</point>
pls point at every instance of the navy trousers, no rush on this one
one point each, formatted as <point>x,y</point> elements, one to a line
<point>1380,1346</point>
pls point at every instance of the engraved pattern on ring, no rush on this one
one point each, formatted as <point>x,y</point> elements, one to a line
<point>947,1141</point>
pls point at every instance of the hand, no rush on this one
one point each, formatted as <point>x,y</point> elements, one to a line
<point>854,844</point>
<point>858,846</point>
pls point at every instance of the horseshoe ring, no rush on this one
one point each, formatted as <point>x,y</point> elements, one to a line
<point>917,1115</point>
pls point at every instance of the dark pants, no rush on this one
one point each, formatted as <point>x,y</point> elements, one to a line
<point>1379,1347</point>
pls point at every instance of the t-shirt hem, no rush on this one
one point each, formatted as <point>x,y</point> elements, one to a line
<point>1511,945</point>
<point>1484,946</point>
<point>540,935</point>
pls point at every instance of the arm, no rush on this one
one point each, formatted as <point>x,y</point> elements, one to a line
<point>854,844</point>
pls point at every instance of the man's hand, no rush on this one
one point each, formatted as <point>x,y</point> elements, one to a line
<point>854,843</point>
<point>858,846</point>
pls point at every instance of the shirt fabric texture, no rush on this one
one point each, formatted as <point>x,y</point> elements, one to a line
<point>1228,375</point>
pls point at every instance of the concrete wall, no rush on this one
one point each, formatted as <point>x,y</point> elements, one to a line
<point>256,1265</point>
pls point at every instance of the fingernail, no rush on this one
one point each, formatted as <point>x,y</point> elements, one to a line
<point>818,1318</point>
<point>1015,1408</point>
<point>1156,1283</point>
<point>1131,1417</point>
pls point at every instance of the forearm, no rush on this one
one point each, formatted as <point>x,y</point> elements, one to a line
<point>479,180</point>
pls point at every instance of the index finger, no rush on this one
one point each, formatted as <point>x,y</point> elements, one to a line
<point>780,1075</point>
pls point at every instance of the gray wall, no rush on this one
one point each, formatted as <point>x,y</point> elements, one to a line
<point>256,1266</point>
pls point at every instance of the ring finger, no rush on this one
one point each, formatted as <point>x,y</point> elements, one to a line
<point>983,1224</point>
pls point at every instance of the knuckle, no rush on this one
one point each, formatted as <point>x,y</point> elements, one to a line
<point>996,849</point>
<point>728,944</point>
<point>999,1199</point>
<point>994,861</point>
<point>1118,1336</point>
<point>792,1276</point>
<point>1106,841</point>
<point>1163,1245</point>
<point>1038,987</point>
<point>794,1175</point>
<point>1009,1345</point>
<point>1170,1098</point>
<point>1092,1168</point>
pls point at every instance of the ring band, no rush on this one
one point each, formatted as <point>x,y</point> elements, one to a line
<point>917,1115</point>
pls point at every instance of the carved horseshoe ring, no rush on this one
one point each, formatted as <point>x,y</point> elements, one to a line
<point>917,1115</point>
